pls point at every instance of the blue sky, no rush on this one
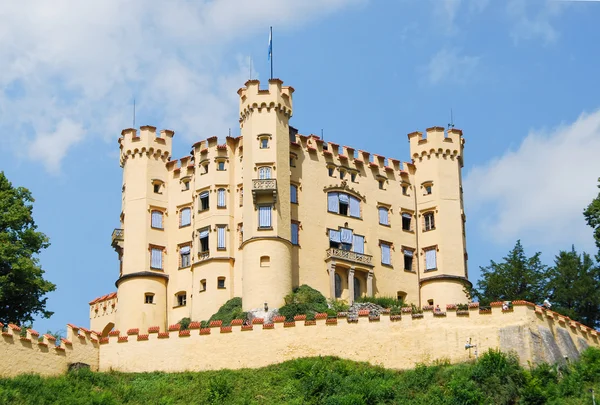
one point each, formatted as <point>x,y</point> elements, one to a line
<point>520,75</point>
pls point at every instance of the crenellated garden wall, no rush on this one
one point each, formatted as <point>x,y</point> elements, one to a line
<point>397,342</point>
<point>393,341</point>
<point>22,353</point>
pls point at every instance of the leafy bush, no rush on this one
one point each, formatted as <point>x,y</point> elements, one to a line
<point>384,302</point>
<point>229,311</point>
<point>184,323</point>
<point>338,305</point>
<point>304,300</point>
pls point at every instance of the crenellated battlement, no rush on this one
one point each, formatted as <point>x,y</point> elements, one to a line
<point>402,340</point>
<point>147,142</point>
<point>277,97</point>
<point>437,142</point>
<point>23,351</point>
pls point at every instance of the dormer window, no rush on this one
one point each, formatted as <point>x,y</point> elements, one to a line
<point>263,141</point>
<point>157,186</point>
<point>427,188</point>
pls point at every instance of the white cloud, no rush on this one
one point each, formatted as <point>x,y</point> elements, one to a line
<point>530,21</point>
<point>449,66</point>
<point>538,192</point>
<point>447,11</point>
<point>68,61</point>
<point>51,147</point>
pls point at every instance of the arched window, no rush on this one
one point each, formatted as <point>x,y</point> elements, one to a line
<point>264,172</point>
<point>357,292</point>
<point>338,286</point>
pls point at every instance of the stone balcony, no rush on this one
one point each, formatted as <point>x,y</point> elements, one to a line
<point>346,255</point>
<point>264,187</point>
<point>118,236</point>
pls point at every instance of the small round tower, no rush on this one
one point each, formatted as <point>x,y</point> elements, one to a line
<point>438,159</point>
<point>267,247</point>
<point>142,283</point>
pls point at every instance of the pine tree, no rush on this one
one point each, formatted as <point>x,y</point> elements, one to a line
<point>574,287</point>
<point>517,277</point>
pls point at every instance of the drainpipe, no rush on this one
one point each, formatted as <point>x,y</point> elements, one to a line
<point>417,241</point>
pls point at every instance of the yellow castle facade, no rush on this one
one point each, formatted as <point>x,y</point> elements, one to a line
<point>272,209</point>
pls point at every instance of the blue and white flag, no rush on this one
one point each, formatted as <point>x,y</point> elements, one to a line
<point>270,43</point>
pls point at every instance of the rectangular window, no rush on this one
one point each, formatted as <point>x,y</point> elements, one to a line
<point>294,194</point>
<point>264,143</point>
<point>149,298</point>
<point>404,190</point>
<point>204,201</point>
<point>221,283</point>
<point>182,300</point>
<point>185,217</point>
<point>330,171</point>
<point>204,240</point>
<point>431,259</point>
<point>202,285</point>
<point>344,202</point>
<point>383,216</point>
<point>406,219</point>
<point>241,229</point>
<point>429,221</point>
<point>156,258</point>
<point>358,245</point>
<point>408,260</point>
<point>295,232</point>
<point>386,257</point>
<point>333,202</point>
<point>354,207</point>
<point>186,185</point>
<point>157,220</point>
<point>334,238</point>
<point>264,173</point>
<point>157,188</point>
<point>353,177</point>
<point>184,256</point>
<point>264,216</point>
<point>221,237</point>
<point>241,197</point>
<point>221,198</point>
<point>221,166</point>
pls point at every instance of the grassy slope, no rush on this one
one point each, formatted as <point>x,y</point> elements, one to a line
<point>494,379</point>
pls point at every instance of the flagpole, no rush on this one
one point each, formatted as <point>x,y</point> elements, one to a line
<point>271,36</point>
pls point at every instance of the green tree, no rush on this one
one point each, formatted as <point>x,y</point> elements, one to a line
<point>517,277</point>
<point>574,287</point>
<point>592,217</point>
<point>22,285</point>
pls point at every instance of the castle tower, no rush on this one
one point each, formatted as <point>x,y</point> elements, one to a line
<point>142,284</point>
<point>267,258</point>
<point>441,242</point>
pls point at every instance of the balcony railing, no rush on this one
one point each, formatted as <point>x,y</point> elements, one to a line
<point>264,186</point>
<point>118,236</point>
<point>349,256</point>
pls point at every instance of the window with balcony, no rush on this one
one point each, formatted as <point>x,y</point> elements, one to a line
<point>293,194</point>
<point>185,217</point>
<point>184,256</point>
<point>386,253</point>
<point>406,221</point>
<point>221,194</point>
<point>264,173</point>
<point>203,235</point>
<point>343,204</point>
<point>221,236</point>
<point>157,219</point>
<point>203,204</point>
<point>430,258</point>
<point>429,223</point>
<point>384,216</point>
<point>345,239</point>
<point>264,217</point>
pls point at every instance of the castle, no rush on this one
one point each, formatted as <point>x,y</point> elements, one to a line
<point>273,209</point>
<point>343,221</point>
